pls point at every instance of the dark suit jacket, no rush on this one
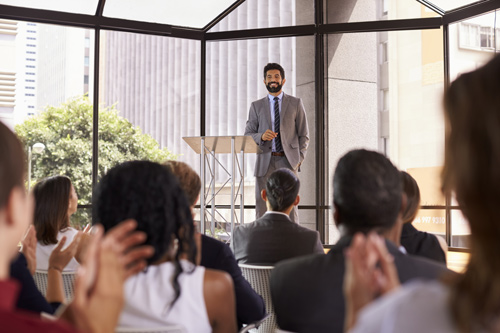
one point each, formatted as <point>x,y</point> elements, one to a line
<point>272,238</point>
<point>421,243</point>
<point>250,306</point>
<point>307,292</point>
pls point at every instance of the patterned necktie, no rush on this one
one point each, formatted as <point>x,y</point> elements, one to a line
<point>277,140</point>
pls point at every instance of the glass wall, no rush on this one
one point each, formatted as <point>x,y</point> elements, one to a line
<point>149,98</point>
<point>45,81</point>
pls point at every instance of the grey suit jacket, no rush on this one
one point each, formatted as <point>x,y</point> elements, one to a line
<point>293,129</point>
<point>272,238</point>
<point>307,292</point>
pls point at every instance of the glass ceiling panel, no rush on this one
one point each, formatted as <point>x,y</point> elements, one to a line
<point>187,13</point>
<point>448,5</point>
<point>70,6</point>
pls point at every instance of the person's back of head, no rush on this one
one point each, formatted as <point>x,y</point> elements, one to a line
<point>148,193</point>
<point>412,192</point>
<point>366,192</point>
<point>472,171</point>
<point>12,165</point>
<point>188,179</point>
<point>51,207</point>
<point>282,188</point>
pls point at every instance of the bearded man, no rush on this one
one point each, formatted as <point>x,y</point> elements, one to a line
<point>278,125</point>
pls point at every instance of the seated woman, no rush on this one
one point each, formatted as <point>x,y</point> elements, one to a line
<point>171,290</point>
<point>417,242</point>
<point>56,201</point>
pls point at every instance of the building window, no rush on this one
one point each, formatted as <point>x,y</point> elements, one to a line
<point>30,52</point>
<point>29,80</point>
<point>30,87</point>
<point>85,79</point>
<point>31,38</point>
<point>32,95</point>
<point>31,107</point>
<point>30,66</point>
<point>31,31</point>
<point>86,61</point>
<point>478,37</point>
<point>87,41</point>
<point>29,73</point>
<point>30,59</point>
<point>30,45</point>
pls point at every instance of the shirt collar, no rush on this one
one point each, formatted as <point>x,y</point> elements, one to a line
<point>271,97</point>
<point>275,212</point>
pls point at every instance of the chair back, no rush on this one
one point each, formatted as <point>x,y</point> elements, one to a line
<point>41,276</point>
<point>258,277</point>
<point>163,329</point>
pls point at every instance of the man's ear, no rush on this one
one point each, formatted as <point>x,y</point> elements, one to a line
<point>283,82</point>
<point>404,203</point>
<point>336,215</point>
<point>297,200</point>
<point>263,195</point>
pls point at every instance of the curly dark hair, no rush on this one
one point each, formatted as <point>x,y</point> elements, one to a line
<point>148,193</point>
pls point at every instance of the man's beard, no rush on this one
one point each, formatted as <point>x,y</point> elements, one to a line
<point>273,89</point>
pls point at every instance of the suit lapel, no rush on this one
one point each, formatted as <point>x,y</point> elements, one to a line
<point>284,108</point>
<point>267,111</point>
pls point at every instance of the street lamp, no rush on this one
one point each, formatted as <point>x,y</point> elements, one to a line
<point>38,148</point>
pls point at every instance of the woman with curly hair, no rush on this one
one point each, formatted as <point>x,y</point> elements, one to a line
<point>171,290</point>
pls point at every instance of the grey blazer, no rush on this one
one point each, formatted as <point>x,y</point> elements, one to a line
<point>272,238</point>
<point>293,129</point>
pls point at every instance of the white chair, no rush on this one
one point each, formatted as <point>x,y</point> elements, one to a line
<point>40,278</point>
<point>163,329</point>
<point>258,277</point>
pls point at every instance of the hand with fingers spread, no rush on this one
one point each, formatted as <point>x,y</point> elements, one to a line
<point>59,258</point>
<point>125,241</point>
<point>370,272</point>
<point>85,238</point>
<point>28,248</point>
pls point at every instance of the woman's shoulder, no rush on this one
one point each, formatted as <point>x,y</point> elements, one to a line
<point>409,309</point>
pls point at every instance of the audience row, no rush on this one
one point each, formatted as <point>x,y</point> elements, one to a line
<point>144,265</point>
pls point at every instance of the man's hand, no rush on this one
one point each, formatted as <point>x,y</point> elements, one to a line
<point>268,135</point>
<point>28,248</point>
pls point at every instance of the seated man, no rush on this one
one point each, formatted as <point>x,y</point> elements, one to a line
<point>307,292</point>
<point>274,237</point>
<point>250,306</point>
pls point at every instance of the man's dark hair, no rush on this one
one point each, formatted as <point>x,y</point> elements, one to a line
<point>148,193</point>
<point>366,191</point>
<point>273,65</point>
<point>282,188</point>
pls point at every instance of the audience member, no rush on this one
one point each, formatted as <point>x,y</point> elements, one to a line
<point>55,202</point>
<point>171,290</point>
<point>98,287</point>
<point>417,242</point>
<point>468,302</point>
<point>274,237</point>
<point>250,306</point>
<point>307,292</point>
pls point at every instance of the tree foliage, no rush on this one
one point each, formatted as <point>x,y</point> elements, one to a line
<point>66,132</point>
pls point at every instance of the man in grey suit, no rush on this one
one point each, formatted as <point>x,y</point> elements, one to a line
<point>367,196</point>
<point>278,125</point>
<point>274,237</point>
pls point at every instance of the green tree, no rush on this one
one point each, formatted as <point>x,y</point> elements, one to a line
<point>66,131</point>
